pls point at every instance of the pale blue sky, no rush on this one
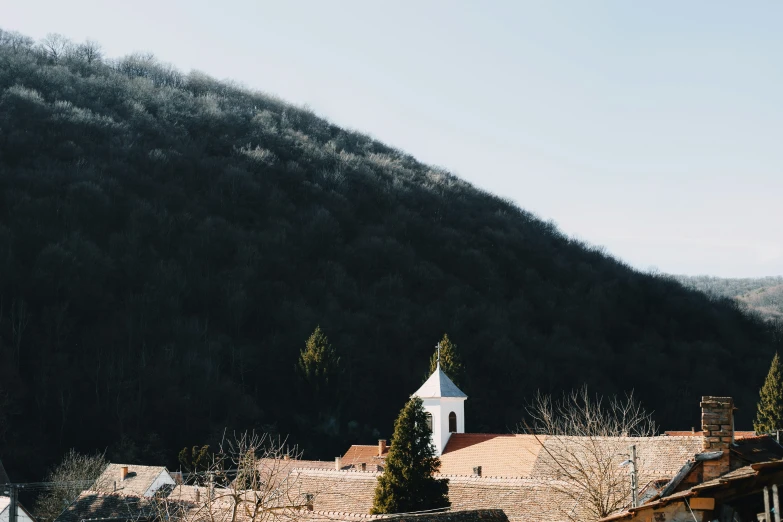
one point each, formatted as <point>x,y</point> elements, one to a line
<point>654,129</point>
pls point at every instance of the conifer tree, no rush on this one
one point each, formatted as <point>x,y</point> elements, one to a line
<point>407,483</point>
<point>318,363</point>
<point>450,361</point>
<point>195,460</point>
<point>769,416</point>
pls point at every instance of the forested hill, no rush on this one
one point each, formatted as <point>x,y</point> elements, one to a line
<point>761,295</point>
<point>168,243</point>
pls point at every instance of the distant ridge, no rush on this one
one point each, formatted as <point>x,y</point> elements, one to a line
<point>761,295</point>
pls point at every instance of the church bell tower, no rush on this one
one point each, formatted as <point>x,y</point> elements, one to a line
<point>445,405</point>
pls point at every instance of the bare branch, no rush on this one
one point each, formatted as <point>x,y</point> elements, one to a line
<point>249,479</point>
<point>584,439</point>
<point>55,46</point>
<point>75,473</point>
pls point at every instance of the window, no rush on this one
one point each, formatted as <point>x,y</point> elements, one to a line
<point>452,422</point>
<point>429,421</point>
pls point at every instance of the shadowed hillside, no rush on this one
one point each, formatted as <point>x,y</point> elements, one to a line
<point>168,242</point>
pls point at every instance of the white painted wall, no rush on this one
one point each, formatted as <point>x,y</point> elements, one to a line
<point>5,511</point>
<point>439,408</point>
<point>161,480</point>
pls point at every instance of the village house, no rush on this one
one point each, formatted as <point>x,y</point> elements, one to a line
<point>515,473</point>
<point>693,475</point>
<point>729,480</point>
<point>134,480</point>
<point>121,492</point>
<point>22,515</point>
<point>119,507</point>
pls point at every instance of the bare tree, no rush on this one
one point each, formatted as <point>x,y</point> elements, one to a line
<point>249,479</point>
<point>15,41</point>
<point>55,46</point>
<point>74,474</point>
<point>89,51</point>
<point>584,439</point>
<point>136,64</point>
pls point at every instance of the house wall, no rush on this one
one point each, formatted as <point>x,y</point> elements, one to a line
<point>22,515</point>
<point>161,480</point>
<point>440,408</point>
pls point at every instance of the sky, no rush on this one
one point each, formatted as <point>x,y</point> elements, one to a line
<point>653,129</point>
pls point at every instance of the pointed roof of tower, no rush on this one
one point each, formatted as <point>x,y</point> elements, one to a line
<point>439,385</point>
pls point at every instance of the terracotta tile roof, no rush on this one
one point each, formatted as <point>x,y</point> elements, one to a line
<point>189,493</point>
<point>336,516</point>
<point>498,455</point>
<point>528,500</point>
<point>338,491</point>
<point>517,476</point>
<point>658,457</point>
<point>312,464</point>
<point>107,506</point>
<point>137,482</point>
<point>724,481</point>
<point>522,455</point>
<point>278,466</point>
<point>520,498</point>
<point>473,515</point>
<point>476,515</point>
<point>756,449</point>
<point>358,454</point>
<point>737,434</point>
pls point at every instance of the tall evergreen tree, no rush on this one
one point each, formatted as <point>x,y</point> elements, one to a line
<point>769,416</point>
<point>450,361</point>
<point>318,363</point>
<point>407,483</point>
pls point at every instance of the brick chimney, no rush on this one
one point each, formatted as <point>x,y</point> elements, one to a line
<point>338,463</point>
<point>381,447</point>
<point>717,423</point>
<point>123,473</point>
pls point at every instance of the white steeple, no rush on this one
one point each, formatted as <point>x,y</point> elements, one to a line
<point>445,403</point>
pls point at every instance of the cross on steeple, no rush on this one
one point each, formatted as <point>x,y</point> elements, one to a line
<point>438,347</point>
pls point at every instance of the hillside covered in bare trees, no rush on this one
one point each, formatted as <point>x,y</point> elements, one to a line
<point>168,242</point>
<point>761,295</point>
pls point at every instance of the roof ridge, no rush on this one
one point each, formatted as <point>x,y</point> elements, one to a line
<point>356,515</point>
<point>353,471</point>
<point>117,493</point>
<point>130,466</point>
